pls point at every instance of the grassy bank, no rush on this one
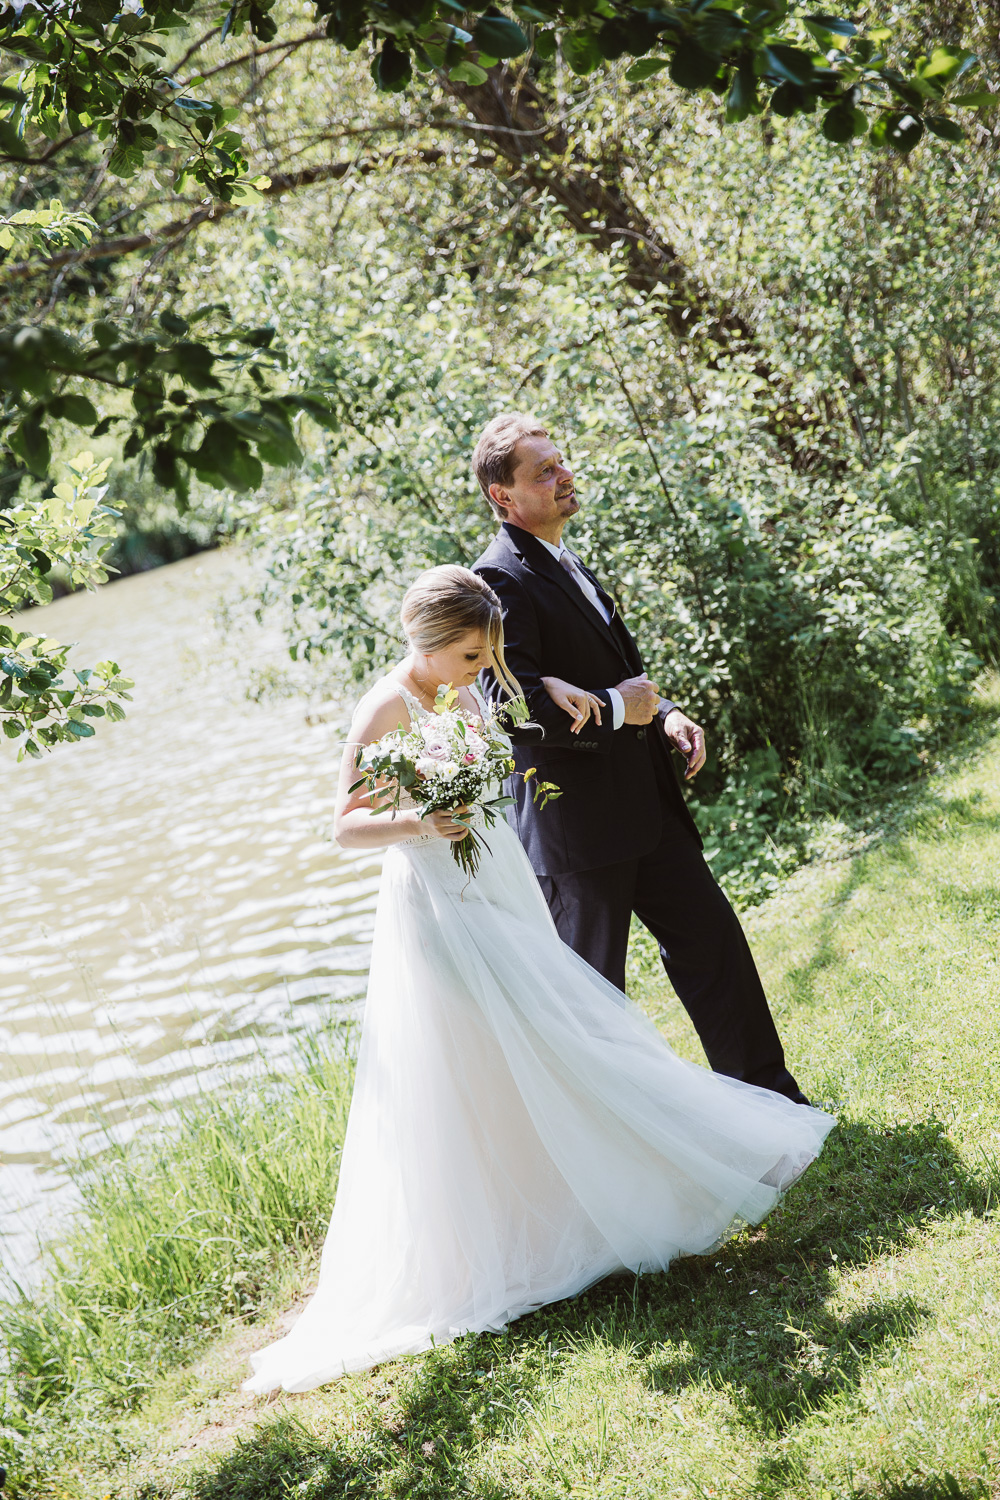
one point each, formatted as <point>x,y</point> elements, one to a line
<point>846,1351</point>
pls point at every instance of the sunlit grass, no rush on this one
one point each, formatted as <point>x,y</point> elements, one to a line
<point>182,1229</point>
<point>848,1350</point>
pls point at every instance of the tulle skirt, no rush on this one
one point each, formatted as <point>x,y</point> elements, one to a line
<point>518,1129</point>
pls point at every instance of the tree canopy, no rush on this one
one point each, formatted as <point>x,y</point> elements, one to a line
<point>96,71</point>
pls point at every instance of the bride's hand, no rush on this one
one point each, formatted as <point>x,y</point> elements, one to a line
<point>444,824</point>
<point>574,701</point>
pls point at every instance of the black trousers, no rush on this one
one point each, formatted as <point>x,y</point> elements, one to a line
<point>702,945</point>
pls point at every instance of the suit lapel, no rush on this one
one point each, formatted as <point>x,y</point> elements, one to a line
<point>540,560</point>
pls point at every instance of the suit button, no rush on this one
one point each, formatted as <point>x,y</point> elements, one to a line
<point>640,734</point>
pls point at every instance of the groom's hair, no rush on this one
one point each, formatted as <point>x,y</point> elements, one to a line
<point>493,459</point>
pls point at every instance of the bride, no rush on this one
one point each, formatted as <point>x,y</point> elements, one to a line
<point>518,1129</point>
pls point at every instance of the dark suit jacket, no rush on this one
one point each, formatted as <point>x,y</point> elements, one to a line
<point>616,785</point>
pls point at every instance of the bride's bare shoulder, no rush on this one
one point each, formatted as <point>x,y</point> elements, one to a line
<point>380,710</point>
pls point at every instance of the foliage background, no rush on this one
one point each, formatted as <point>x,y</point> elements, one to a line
<point>786,437</point>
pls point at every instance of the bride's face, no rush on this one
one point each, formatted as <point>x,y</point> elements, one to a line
<point>461,662</point>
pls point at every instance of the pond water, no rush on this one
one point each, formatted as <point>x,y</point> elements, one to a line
<point>172,906</point>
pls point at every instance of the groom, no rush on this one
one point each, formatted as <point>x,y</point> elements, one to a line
<point>620,838</point>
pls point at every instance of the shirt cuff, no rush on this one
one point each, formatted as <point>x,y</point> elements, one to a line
<point>617,707</point>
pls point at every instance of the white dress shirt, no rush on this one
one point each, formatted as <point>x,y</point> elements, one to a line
<point>593,597</point>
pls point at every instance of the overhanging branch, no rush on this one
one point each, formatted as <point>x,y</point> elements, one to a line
<point>172,233</point>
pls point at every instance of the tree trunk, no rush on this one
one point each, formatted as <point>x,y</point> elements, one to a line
<point>516,118</point>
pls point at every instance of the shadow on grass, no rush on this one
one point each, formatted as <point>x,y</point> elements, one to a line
<point>755,1320</point>
<point>284,1458</point>
<point>948,1487</point>
<point>777,1475</point>
<point>750,1320</point>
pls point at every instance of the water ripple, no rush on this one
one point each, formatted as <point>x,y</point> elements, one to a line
<point>172,904</point>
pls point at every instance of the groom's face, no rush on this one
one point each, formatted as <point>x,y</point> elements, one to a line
<point>541,495</point>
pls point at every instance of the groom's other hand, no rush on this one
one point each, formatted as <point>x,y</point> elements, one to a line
<point>688,737</point>
<point>641,699</point>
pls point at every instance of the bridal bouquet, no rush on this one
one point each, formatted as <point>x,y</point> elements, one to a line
<point>448,760</point>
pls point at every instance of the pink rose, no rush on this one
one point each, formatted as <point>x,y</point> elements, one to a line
<point>435,746</point>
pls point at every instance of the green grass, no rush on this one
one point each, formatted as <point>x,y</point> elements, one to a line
<point>847,1350</point>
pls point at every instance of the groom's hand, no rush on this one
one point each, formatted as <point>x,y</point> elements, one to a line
<point>641,699</point>
<point>689,739</point>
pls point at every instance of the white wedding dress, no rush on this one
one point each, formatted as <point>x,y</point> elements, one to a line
<point>517,1131</point>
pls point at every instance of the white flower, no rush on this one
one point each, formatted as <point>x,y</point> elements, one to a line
<point>448,769</point>
<point>425,766</point>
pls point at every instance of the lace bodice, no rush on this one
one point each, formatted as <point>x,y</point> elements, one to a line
<point>416,709</point>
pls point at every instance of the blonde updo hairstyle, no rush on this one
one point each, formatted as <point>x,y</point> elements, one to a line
<point>446,603</point>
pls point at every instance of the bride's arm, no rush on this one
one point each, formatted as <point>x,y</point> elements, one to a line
<point>354,824</point>
<point>577,702</point>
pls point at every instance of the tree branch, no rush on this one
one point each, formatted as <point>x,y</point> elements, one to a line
<point>234,62</point>
<point>281,182</point>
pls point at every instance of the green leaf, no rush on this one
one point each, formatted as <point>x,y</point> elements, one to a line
<point>581,52</point>
<point>225,456</point>
<point>742,96</point>
<point>74,408</point>
<point>947,63</point>
<point>101,11</point>
<point>838,123</point>
<point>900,131</point>
<point>837,25</point>
<point>31,441</point>
<point>391,68</point>
<point>632,32</point>
<point>645,68</point>
<point>498,35</point>
<point>468,72</point>
<point>982,100</point>
<point>788,99</point>
<point>12,728</point>
<point>81,731</point>
<point>903,131</point>
<point>789,63</point>
<point>126,158</point>
<point>945,129</point>
<point>105,333</point>
<point>11,143</point>
<point>172,322</point>
<point>692,67</point>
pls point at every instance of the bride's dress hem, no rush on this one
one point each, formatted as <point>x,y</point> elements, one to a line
<point>411,1342</point>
